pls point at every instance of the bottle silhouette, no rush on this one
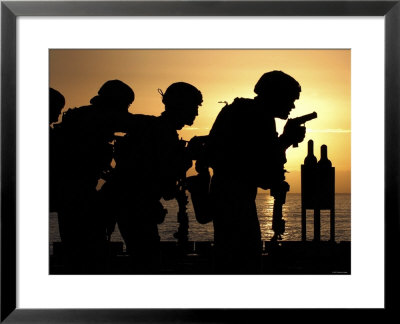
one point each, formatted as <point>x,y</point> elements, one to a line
<point>324,161</point>
<point>310,159</point>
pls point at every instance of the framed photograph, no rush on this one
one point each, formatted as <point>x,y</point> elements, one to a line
<point>206,70</point>
<point>344,58</point>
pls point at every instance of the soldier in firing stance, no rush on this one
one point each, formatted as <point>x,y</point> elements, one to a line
<point>246,153</point>
<point>57,103</point>
<point>149,160</point>
<point>83,155</point>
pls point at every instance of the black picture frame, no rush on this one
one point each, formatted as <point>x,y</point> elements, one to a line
<point>10,10</point>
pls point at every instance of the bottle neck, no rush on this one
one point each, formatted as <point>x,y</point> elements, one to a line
<point>324,156</point>
<point>310,158</point>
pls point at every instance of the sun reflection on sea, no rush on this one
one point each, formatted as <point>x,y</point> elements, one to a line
<point>291,214</point>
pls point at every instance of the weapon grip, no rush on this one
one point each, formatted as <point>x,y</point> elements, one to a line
<point>302,120</point>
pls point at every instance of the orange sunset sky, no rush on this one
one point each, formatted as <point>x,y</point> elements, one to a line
<point>222,75</point>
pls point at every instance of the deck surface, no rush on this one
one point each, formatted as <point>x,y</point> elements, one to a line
<point>286,257</point>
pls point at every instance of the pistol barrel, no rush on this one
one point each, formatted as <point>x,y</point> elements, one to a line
<point>302,119</point>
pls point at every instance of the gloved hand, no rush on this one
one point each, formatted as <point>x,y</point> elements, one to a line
<point>293,134</point>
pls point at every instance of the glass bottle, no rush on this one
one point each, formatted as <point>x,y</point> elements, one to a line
<point>310,159</point>
<point>324,161</point>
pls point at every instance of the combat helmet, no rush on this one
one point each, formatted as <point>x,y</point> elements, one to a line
<point>116,91</point>
<point>277,83</point>
<point>180,94</point>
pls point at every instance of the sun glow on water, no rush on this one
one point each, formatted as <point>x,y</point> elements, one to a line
<point>291,214</point>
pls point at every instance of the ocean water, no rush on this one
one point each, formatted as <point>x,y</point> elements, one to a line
<point>264,202</point>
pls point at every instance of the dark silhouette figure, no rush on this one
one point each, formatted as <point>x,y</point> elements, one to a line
<point>150,159</point>
<point>57,102</point>
<point>84,154</point>
<point>246,153</point>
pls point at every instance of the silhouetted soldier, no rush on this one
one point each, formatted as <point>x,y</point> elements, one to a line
<point>56,102</point>
<point>85,152</point>
<point>149,161</point>
<point>245,153</point>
